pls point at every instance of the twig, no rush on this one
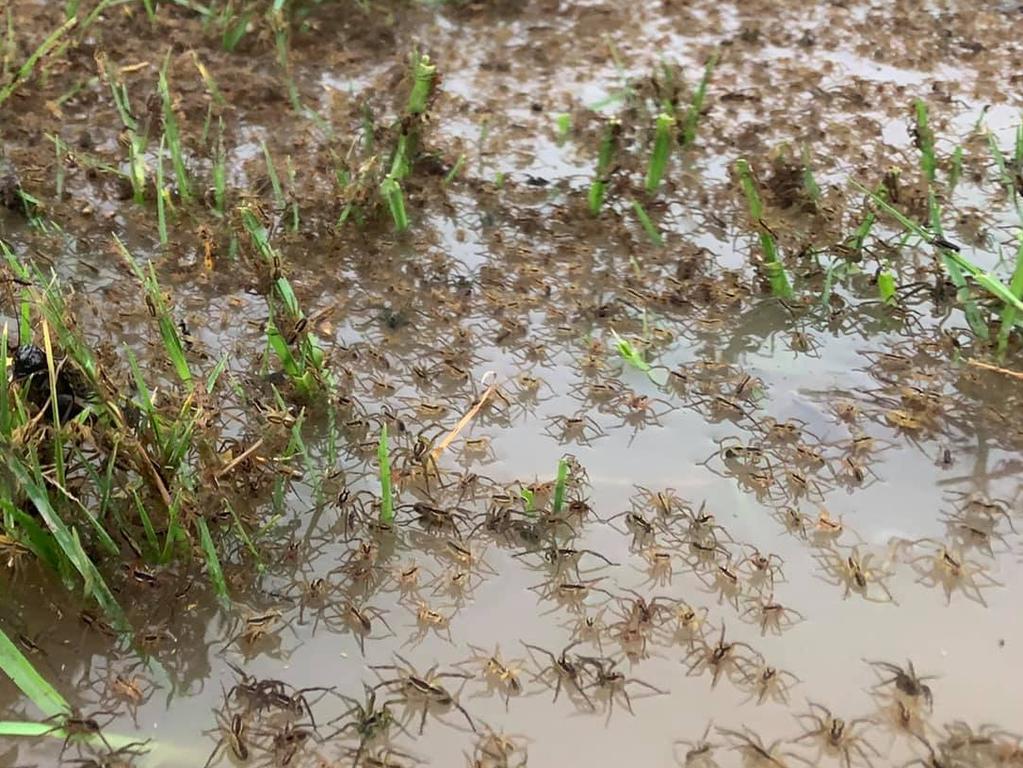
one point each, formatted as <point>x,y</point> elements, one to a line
<point>996,369</point>
<point>239,459</point>
<point>464,421</point>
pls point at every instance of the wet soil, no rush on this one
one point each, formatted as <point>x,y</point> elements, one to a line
<point>826,482</point>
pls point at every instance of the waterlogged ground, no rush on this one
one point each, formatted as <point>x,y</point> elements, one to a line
<point>796,491</point>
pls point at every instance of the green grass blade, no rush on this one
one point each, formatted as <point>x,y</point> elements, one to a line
<point>14,664</point>
<point>161,205</point>
<point>605,159</point>
<point>662,152</point>
<point>773,267</point>
<point>173,134</point>
<point>216,573</point>
<point>559,486</point>
<point>390,190</point>
<point>648,225</point>
<point>386,496</point>
<point>67,538</point>
<point>692,118</point>
<point>423,76</point>
<point>1009,311</point>
<point>925,141</point>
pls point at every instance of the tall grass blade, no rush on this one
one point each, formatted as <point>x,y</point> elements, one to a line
<point>386,496</point>
<point>173,134</point>
<point>423,75</point>
<point>925,141</point>
<point>648,225</point>
<point>216,573</point>
<point>692,118</point>
<point>605,159</point>
<point>662,152</point>
<point>1009,312</point>
<point>559,486</point>
<point>14,664</point>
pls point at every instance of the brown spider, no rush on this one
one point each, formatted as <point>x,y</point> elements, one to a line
<point>837,737</point>
<point>949,569</point>
<point>771,615</point>
<point>856,574</point>
<point>722,658</point>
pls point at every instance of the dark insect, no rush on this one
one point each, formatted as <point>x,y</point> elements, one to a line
<point>30,368</point>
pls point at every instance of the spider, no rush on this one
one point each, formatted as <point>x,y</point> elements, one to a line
<point>366,720</point>
<point>575,429</point>
<point>424,691</point>
<point>951,571</point>
<point>699,752</point>
<point>838,737</point>
<point>721,658</point>
<point>567,671</point>
<point>771,615</point>
<point>906,681</point>
<point>499,673</point>
<point>767,682</point>
<point>762,569</point>
<point>359,619</point>
<point>856,574</point>
<point>756,754</point>
<point>610,680</point>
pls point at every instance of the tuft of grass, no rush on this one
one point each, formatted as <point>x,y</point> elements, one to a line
<point>924,139</point>
<point>529,499</point>
<point>661,153</point>
<point>605,160</point>
<point>773,267</point>
<point>692,117</point>
<point>957,265</point>
<point>24,72</point>
<point>157,303</point>
<point>386,494</point>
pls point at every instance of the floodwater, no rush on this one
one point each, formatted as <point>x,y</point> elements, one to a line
<point>851,445</point>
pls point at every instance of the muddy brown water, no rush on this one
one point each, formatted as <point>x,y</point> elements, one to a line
<point>861,435</point>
